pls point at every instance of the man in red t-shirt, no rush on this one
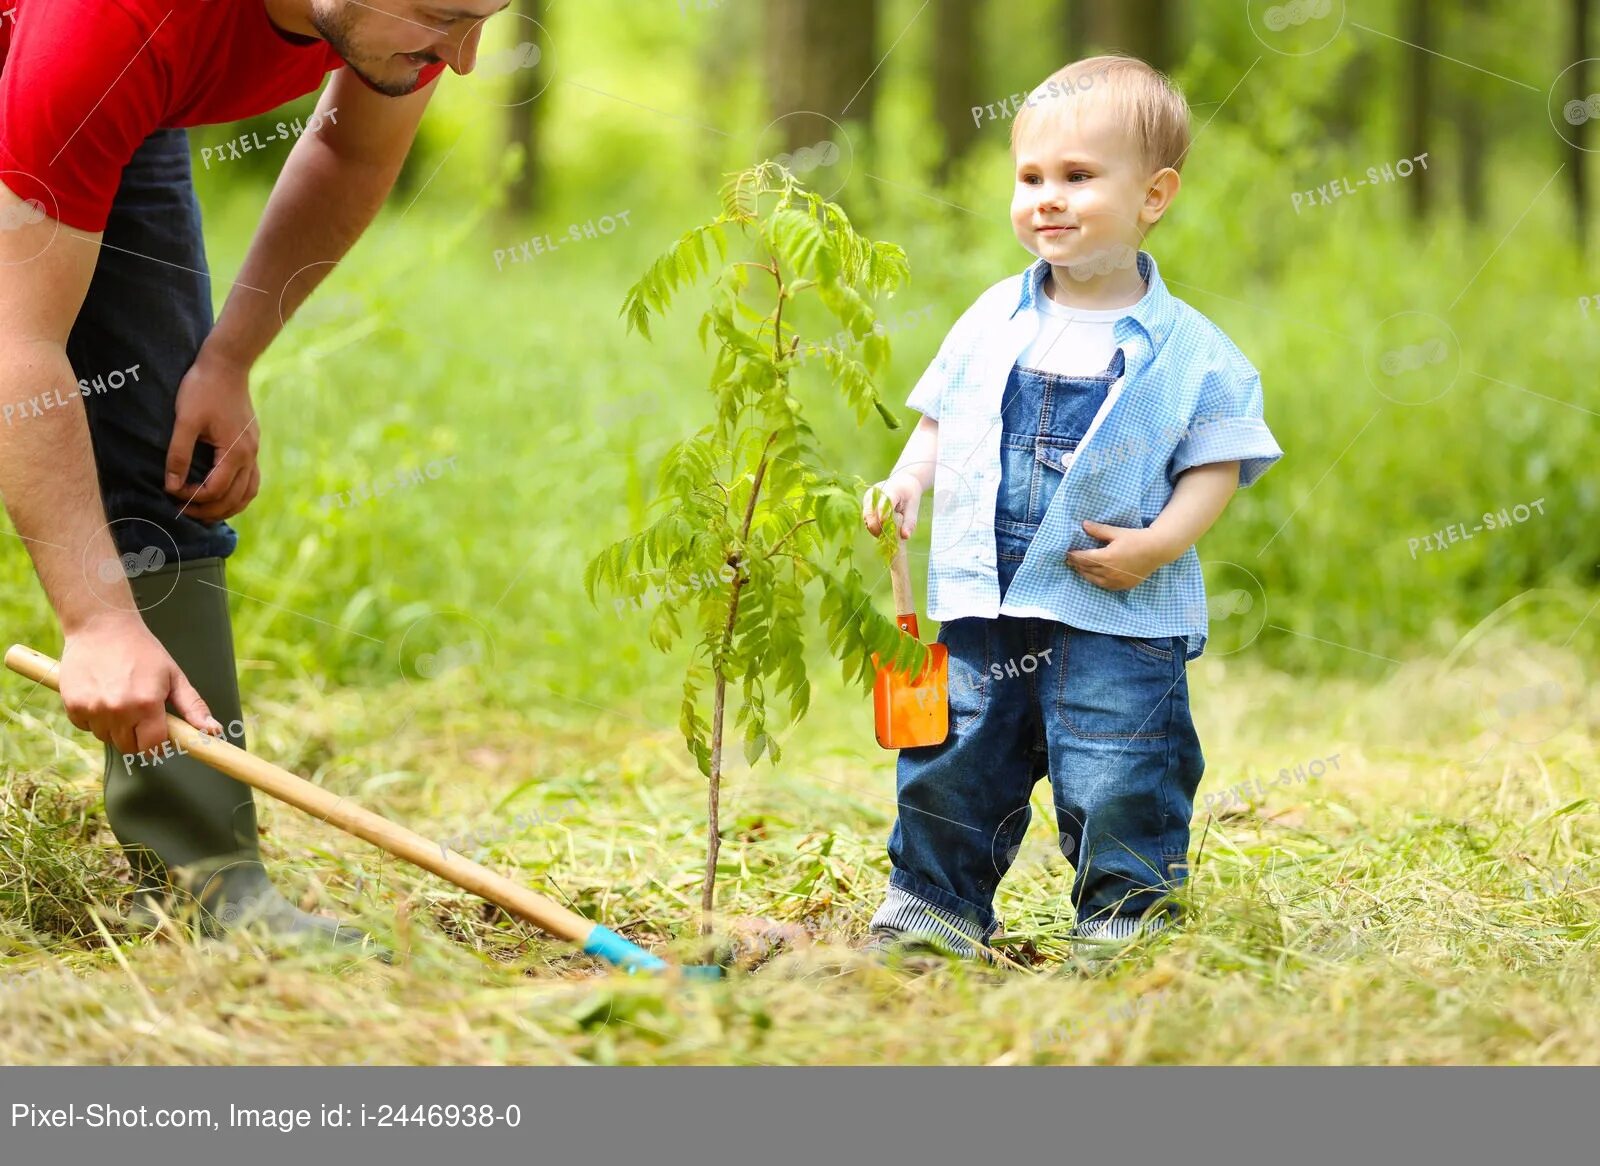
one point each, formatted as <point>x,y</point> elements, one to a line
<point>127,435</point>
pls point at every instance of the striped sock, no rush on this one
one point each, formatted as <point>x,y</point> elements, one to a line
<point>907,914</point>
<point>1120,927</point>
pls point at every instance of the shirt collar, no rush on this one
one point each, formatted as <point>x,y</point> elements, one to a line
<point>1154,314</point>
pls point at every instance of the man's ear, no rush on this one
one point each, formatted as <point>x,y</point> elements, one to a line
<point>1159,194</point>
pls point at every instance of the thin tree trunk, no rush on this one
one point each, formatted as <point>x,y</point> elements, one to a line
<point>719,700</point>
<point>524,118</point>
<point>726,39</point>
<point>1419,103</point>
<point>1577,160</point>
<point>708,888</point>
<point>1356,83</point>
<point>719,703</point>
<point>1472,132</point>
<point>955,80</point>
<point>1142,28</point>
<point>821,58</point>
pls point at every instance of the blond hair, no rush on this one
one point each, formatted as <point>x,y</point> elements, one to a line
<point>1143,99</point>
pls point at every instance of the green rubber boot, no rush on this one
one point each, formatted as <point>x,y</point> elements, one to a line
<point>188,830</point>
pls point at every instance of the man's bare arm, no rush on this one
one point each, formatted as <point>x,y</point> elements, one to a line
<point>115,676</point>
<point>331,188</point>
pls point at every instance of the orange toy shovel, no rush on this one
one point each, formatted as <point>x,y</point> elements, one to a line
<point>911,712</point>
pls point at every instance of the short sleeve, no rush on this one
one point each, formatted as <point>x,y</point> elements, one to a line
<point>927,397</point>
<point>929,391</point>
<point>75,105</point>
<point>1228,425</point>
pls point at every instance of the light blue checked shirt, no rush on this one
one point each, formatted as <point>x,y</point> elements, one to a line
<point>1187,397</point>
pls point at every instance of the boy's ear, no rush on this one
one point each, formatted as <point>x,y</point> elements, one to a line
<point>1158,196</point>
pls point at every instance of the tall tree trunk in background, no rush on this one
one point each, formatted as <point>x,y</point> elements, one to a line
<point>1077,28</point>
<point>1419,103</point>
<point>727,40</point>
<point>524,118</point>
<point>1346,115</point>
<point>820,54</point>
<point>1142,28</point>
<point>955,80</point>
<point>1577,160</point>
<point>1472,130</point>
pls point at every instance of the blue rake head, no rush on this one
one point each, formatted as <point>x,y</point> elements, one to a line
<point>631,958</point>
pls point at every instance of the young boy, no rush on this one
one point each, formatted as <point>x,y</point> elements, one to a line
<point>1081,429</point>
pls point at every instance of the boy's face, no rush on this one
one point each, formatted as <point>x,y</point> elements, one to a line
<point>1083,195</point>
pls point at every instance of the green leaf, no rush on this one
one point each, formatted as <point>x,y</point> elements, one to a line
<point>798,239</point>
<point>755,744</point>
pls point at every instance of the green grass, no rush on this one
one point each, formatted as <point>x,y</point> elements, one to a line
<point>1431,901</point>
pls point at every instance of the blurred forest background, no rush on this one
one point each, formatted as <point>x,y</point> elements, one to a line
<point>435,338</point>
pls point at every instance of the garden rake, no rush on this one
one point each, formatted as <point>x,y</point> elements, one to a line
<point>405,844</point>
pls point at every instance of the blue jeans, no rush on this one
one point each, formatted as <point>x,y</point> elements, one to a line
<point>1106,717</point>
<point>149,304</point>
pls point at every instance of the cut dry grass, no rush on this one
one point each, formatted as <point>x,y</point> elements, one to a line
<point>1403,908</point>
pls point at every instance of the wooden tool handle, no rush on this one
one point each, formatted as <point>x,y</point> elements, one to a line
<point>346,815</point>
<point>900,576</point>
<point>397,840</point>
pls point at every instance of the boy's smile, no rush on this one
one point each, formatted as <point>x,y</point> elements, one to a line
<point>1084,200</point>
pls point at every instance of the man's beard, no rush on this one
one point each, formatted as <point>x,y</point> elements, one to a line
<point>336,31</point>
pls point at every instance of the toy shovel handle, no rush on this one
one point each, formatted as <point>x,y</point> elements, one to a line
<point>905,605</point>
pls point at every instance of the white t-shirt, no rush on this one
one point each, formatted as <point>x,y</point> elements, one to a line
<point>1071,341</point>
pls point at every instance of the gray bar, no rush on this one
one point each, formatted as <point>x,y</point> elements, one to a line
<point>816,1115</point>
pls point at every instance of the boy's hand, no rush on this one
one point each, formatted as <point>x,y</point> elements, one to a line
<point>1127,559</point>
<point>901,493</point>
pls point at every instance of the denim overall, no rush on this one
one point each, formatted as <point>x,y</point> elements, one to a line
<point>1043,417</point>
<point>1106,717</point>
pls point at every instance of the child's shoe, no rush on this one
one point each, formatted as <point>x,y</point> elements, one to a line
<point>1101,942</point>
<point>911,953</point>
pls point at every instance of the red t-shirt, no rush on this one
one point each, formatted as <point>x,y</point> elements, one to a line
<point>84,82</point>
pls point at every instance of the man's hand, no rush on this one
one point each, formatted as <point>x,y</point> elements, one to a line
<point>1127,559</point>
<point>115,676</point>
<point>116,680</point>
<point>214,406</point>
